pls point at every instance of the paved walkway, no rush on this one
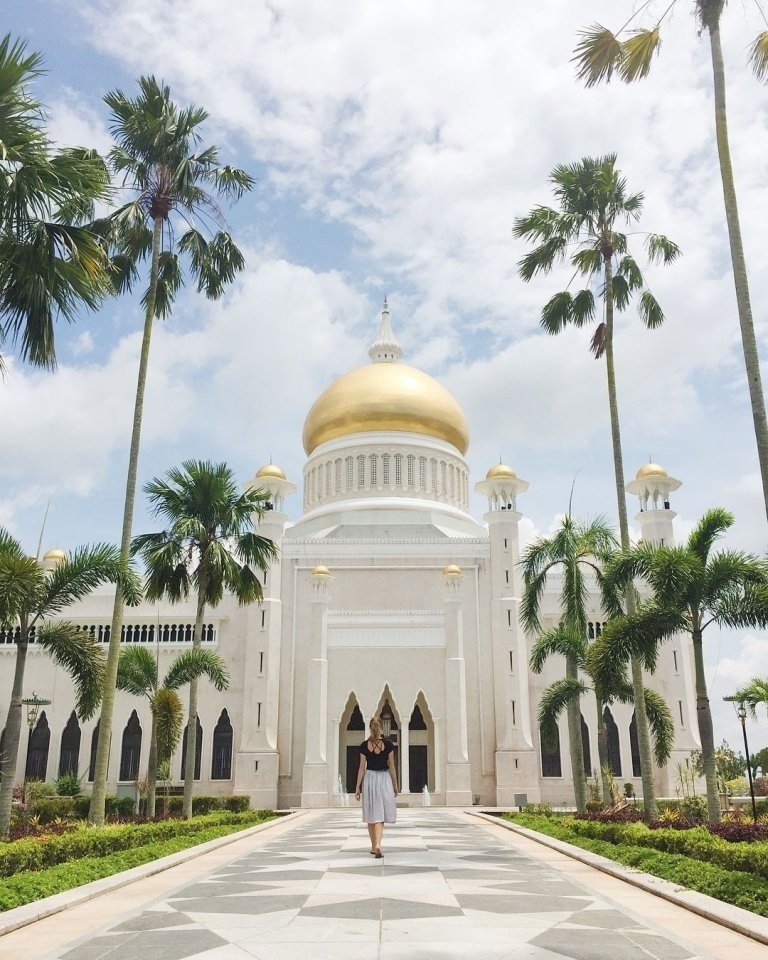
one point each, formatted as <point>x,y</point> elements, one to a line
<point>447,887</point>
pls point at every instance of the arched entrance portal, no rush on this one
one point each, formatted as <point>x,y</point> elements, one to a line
<point>390,722</point>
<point>421,748</point>
<point>351,735</point>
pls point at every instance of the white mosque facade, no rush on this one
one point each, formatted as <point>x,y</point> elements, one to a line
<point>388,598</point>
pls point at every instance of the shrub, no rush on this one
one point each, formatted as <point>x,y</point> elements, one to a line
<point>202,804</point>
<point>611,815</point>
<point>237,804</point>
<point>68,784</point>
<point>53,808</point>
<point>540,809</point>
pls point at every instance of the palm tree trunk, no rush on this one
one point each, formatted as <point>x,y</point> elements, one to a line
<point>99,792</point>
<point>602,753</point>
<point>741,282</point>
<point>706,732</point>
<point>12,734</point>
<point>573,712</point>
<point>152,768</point>
<point>189,760</point>
<point>638,685</point>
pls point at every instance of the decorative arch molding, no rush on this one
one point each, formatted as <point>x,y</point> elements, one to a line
<point>352,729</point>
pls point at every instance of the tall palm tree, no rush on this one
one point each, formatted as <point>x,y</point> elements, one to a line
<point>629,53</point>
<point>51,262</point>
<point>594,205</point>
<point>209,546</point>
<point>137,673</point>
<point>575,551</point>
<point>607,689</point>
<point>158,154</point>
<point>31,598</point>
<point>692,588</point>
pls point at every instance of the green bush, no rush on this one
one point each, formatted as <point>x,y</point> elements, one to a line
<point>237,804</point>
<point>37,853</point>
<point>68,784</point>
<point>205,804</point>
<point>49,809</point>
<point>540,809</point>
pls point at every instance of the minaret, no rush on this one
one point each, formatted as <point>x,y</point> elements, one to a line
<point>256,769</point>
<point>517,770</point>
<point>314,785</point>
<point>385,348</point>
<point>653,486</point>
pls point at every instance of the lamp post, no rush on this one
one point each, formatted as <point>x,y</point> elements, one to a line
<point>33,705</point>
<point>741,713</point>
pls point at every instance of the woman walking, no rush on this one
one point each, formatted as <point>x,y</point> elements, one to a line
<point>377,781</point>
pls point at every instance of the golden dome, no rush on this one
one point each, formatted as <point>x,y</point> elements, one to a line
<point>56,555</point>
<point>651,470</point>
<point>385,396</point>
<point>270,471</point>
<point>451,570</point>
<point>320,571</point>
<point>501,470</point>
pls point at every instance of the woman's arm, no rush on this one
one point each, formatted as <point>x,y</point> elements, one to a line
<point>392,771</point>
<point>360,771</point>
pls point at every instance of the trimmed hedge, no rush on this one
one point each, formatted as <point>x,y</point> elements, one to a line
<point>48,809</point>
<point>694,859</point>
<point>203,804</point>
<point>38,853</point>
<point>30,886</point>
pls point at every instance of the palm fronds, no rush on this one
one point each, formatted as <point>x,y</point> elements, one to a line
<point>77,652</point>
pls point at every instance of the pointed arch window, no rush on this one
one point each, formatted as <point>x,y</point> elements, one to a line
<point>612,736</point>
<point>551,763</point>
<point>131,748</point>
<point>198,749</point>
<point>221,766</point>
<point>356,721</point>
<point>585,748</point>
<point>37,750</point>
<point>94,748</point>
<point>69,754</point>
<point>634,748</point>
<point>417,721</point>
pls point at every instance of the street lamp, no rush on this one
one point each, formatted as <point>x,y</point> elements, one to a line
<point>741,713</point>
<point>33,705</point>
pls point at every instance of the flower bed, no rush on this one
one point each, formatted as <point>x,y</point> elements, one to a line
<point>730,870</point>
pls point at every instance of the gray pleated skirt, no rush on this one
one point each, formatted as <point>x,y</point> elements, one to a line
<point>378,797</point>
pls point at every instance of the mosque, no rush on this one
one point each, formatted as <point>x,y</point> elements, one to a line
<point>388,598</point>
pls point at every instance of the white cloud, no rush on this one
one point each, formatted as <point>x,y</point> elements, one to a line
<point>83,344</point>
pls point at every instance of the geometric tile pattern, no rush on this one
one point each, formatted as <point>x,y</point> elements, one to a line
<point>445,889</point>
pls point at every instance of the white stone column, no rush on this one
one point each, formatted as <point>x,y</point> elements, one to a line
<point>458,784</point>
<point>314,790</point>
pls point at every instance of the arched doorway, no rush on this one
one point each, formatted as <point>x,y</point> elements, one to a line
<point>69,755</point>
<point>421,748</point>
<point>37,751</point>
<point>390,723</point>
<point>131,748</point>
<point>351,735</point>
<point>198,750</point>
<point>223,735</point>
<point>614,749</point>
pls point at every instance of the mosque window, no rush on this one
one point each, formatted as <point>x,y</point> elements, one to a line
<point>94,747</point>
<point>442,476</point>
<point>37,751</point>
<point>411,475</point>
<point>514,714</point>
<point>374,464</point>
<point>69,754</point>
<point>680,711</point>
<point>356,721</point>
<point>328,479</point>
<point>361,472</point>
<point>263,619</point>
<point>261,661</point>
<point>398,469</point>
<point>509,618</point>
<point>511,661</point>
<point>385,469</point>
<point>338,476</point>
<point>551,765</point>
<point>634,747</point>
<point>221,766</point>
<point>612,735</point>
<point>258,715</point>
<point>198,749</point>
<point>433,471</point>
<point>674,660</point>
<point>423,472</point>
<point>349,464</point>
<point>506,575</point>
<point>586,752</point>
<point>131,748</point>
<point>506,543</point>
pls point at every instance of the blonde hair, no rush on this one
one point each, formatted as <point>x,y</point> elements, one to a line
<point>376,728</point>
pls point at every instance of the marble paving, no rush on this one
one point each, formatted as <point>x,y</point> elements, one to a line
<point>444,889</point>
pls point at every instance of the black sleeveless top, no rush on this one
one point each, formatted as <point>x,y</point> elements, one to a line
<point>376,760</point>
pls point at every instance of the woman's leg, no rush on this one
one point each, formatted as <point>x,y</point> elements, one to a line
<point>372,835</point>
<point>378,833</point>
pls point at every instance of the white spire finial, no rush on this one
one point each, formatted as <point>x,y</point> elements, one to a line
<point>385,348</point>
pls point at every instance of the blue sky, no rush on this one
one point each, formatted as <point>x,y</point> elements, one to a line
<point>394,145</point>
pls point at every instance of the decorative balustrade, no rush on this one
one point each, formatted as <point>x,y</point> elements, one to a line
<point>131,633</point>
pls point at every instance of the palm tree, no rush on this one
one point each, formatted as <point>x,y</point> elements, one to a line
<point>158,154</point>
<point>137,673</point>
<point>51,262</point>
<point>607,689</point>
<point>31,597</point>
<point>208,547</point>
<point>752,695</point>
<point>593,205</point>
<point>575,550</point>
<point>629,53</point>
<point>692,588</point>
